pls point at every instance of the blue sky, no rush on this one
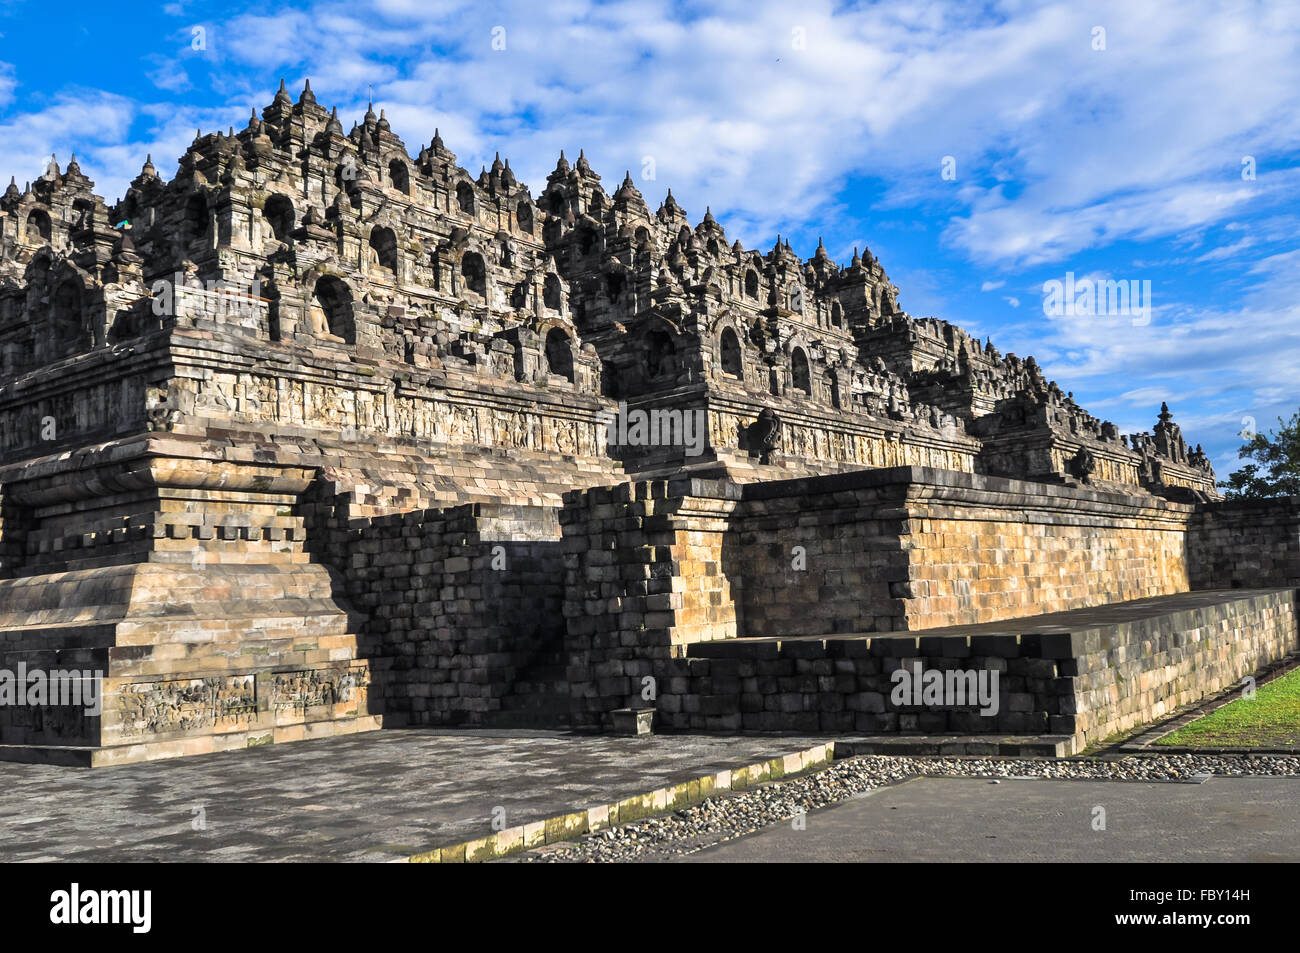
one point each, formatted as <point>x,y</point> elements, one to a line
<point>1115,154</point>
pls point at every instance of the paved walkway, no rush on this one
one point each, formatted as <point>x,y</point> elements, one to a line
<point>378,796</point>
<point>973,819</point>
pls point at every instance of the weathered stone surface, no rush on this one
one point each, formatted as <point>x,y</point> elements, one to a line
<point>320,432</point>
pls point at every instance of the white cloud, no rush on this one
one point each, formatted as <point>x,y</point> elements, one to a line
<point>1241,359</point>
<point>168,74</point>
<point>1059,148</point>
<point>738,117</point>
<point>8,83</point>
<point>28,140</point>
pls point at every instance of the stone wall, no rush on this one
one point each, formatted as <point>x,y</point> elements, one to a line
<point>983,549</point>
<point>911,548</point>
<point>1087,673</point>
<point>459,602</point>
<point>1245,543</point>
<point>811,557</point>
<point>653,567</point>
<point>643,577</point>
<point>622,584</point>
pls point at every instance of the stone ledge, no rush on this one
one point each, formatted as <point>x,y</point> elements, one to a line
<point>1015,746</point>
<point>96,757</point>
<point>1043,635</point>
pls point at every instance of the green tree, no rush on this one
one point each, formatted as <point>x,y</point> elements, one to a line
<point>1277,472</point>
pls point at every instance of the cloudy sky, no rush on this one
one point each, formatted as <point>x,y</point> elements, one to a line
<point>979,150</point>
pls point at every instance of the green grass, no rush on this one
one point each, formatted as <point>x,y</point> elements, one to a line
<point>1270,720</point>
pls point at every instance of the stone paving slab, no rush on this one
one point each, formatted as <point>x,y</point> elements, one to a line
<point>379,797</point>
<point>1247,819</point>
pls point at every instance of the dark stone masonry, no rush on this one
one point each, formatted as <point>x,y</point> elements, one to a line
<point>321,435</point>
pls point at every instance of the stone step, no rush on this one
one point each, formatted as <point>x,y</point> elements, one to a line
<point>315,620</point>
<point>198,658</point>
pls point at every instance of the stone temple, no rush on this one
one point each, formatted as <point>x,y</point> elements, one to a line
<point>321,436</point>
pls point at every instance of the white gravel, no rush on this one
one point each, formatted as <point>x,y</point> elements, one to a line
<point>725,817</point>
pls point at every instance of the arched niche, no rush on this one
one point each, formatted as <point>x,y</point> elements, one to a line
<point>800,374</point>
<point>399,176</point>
<point>474,272</point>
<point>383,242</point>
<point>68,321</point>
<point>38,229</point>
<point>729,355</point>
<point>333,298</point>
<point>279,214</point>
<point>465,197</point>
<point>559,353</point>
<point>660,353</point>
<point>552,292</point>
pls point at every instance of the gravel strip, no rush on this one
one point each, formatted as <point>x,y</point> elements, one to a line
<point>723,818</point>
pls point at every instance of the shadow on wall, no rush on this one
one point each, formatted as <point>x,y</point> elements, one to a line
<point>462,607</point>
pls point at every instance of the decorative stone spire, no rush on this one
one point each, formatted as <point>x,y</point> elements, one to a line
<point>282,95</point>
<point>583,166</point>
<point>307,98</point>
<point>148,173</point>
<point>333,127</point>
<point>436,145</point>
<point>12,196</point>
<point>562,166</point>
<point>383,125</point>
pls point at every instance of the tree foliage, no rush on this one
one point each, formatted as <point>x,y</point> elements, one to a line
<point>1276,471</point>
